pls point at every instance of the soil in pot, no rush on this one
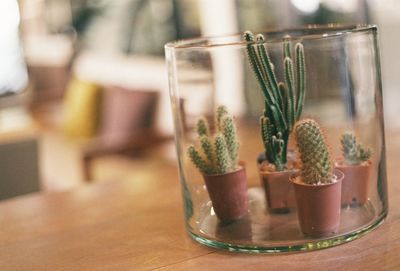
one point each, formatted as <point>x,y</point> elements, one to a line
<point>228,194</point>
<point>355,184</point>
<point>318,206</point>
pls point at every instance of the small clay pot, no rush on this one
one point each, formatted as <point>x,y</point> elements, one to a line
<point>318,206</point>
<point>355,184</point>
<point>228,194</point>
<point>279,191</point>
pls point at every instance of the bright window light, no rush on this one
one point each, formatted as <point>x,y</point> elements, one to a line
<point>346,6</point>
<point>306,6</point>
<point>13,74</point>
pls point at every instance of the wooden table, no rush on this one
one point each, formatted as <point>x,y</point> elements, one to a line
<point>132,225</point>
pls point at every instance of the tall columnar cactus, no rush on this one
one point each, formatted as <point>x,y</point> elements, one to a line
<point>354,153</point>
<point>218,153</point>
<point>283,100</point>
<point>314,154</point>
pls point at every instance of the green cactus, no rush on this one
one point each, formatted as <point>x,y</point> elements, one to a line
<point>314,154</point>
<point>219,152</point>
<point>202,127</point>
<point>354,153</point>
<point>283,100</point>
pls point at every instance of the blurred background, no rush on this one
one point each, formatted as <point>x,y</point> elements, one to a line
<point>84,86</point>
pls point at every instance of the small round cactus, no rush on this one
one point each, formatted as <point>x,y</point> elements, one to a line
<point>219,152</point>
<point>354,153</point>
<point>316,162</point>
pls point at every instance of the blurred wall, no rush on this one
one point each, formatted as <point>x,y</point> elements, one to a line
<point>386,15</point>
<point>132,27</point>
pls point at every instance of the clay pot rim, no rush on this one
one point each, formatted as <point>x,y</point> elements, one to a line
<point>339,162</point>
<point>338,180</point>
<point>241,167</point>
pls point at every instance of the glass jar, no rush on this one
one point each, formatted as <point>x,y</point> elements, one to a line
<point>342,91</point>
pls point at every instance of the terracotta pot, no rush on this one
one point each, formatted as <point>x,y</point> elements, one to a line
<point>228,194</point>
<point>318,206</point>
<point>355,183</point>
<point>279,191</point>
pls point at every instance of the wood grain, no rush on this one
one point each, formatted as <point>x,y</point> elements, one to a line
<point>133,225</point>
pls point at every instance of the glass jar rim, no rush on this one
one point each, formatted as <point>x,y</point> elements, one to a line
<point>308,32</point>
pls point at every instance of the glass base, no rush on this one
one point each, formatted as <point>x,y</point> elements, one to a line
<point>263,232</point>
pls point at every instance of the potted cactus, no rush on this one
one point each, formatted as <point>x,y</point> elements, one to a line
<point>217,159</point>
<point>317,186</point>
<point>356,166</point>
<point>283,107</point>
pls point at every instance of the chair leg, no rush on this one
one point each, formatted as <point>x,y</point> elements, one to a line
<point>87,163</point>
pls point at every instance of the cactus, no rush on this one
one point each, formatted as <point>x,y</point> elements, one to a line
<point>316,162</point>
<point>283,100</point>
<point>354,153</point>
<point>218,153</point>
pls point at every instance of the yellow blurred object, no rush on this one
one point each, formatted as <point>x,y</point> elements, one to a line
<point>82,108</point>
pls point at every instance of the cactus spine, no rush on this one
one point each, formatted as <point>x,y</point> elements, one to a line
<point>314,154</point>
<point>354,153</point>
<point>283,100</point>
<point>218,153</point>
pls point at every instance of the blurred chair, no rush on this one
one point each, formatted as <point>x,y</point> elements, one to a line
<point>135,110</point>
<point>82,103</point>
<point>126,125</point>
<point>133,73</point>
<point>48,59</point>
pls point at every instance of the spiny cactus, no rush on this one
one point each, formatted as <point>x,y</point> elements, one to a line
<point>314,154</point>
<point>354,153</point>
<point>283,100</point>
<point>218,153</point>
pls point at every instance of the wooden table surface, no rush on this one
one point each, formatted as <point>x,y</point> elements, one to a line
<point>128,225</point>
